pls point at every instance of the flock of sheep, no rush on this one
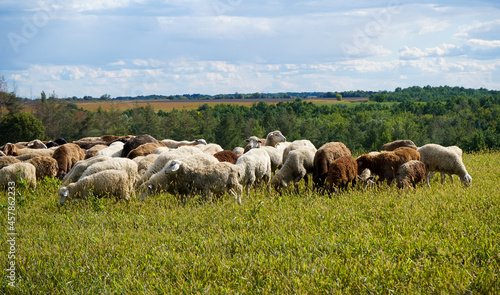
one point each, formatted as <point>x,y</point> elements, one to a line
<point>123,166</point>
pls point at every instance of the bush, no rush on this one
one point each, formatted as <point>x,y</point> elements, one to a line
<point>20,127</point>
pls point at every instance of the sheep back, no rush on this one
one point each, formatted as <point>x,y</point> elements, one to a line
<point>66,156</point>
<point>323,158</point>
<point>398,143</point>
<point>18,171</point>
<point>226,156</point>
<point>410,173</point>
<point>341,172</point>
<point>143,150</point>
<point>45,166</point>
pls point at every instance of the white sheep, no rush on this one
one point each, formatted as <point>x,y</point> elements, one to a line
<point>297,144</point>
<point>459,152</point>
<point>108,182</point>
<point>273,146</point>
<point>210,148</point>
<point>169,155</point>
<point>76,171</point>
<point>124,164</point>
<point>191,177</point>
<point>239,150</point>
<point>298,165</point>
<point>145,162</point>
<point>274,138</point>
<point>18,171</point>
<point>438,158</point>
<point>254,165</point>
<point>161,149</point>
<point>170,143</point>
<point>113,150</point>
<point>162,181</point>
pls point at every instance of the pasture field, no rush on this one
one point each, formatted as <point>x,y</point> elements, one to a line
<point>439,240</point>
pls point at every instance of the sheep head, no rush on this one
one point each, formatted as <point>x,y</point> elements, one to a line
<point>275,137</point>
<point>466,180</point>
<point>63,194</point>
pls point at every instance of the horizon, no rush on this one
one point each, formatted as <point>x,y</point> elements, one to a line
<point>142,47</point>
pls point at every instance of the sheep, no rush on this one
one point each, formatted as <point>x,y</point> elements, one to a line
<point>161,149</point>
<point>124,164</point>
<point>113,150</point>
<point>56,143</point>
<point>383,164</point>
<point>66,156</point>
<point>172,144</point>
<point>274,138</point>
<point>45,166</point>
<point>297,144</point>
<point>11,149</point>
<point>459,152</point>
<point>8,160</point>
<point>324,156</point>
<point>143,163</point>
<point>254,165</point>
<point>239,150</point>
<point>210,148</point>
<point>438,158</point>
<point>18,171</point>
<point>341,172</point>
<point>412,172</point>
<point>76,172</point>
<point>298,165</point>
<point>36,144</point>
<point>136,142</point>
<point>206,179</point>
<point>89,142</point>
<point>275,154</point>
<point>226,156</point>
<point>398,143</point>
<point>108,182</point>
<point>143,150</point>
<point>159,180</point>
<point>163,158</point>
<point>91,152</point>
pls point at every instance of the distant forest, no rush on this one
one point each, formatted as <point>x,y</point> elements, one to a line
<point>469,118</point>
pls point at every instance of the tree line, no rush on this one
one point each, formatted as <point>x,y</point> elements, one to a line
<point>470,121</point>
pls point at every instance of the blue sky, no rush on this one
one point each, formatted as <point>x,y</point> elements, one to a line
<point>142,47</point>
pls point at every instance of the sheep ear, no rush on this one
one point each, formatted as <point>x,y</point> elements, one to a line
<point>174,166</point>
<point>247,140</point>
<point>259,141</point>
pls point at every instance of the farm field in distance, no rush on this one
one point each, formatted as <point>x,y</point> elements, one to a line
<point>168,105</point>
<point>444,239</point>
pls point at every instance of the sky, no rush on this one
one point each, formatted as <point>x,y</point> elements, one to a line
<point>169,47</point>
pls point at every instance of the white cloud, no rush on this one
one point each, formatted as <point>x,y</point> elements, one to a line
<point>443,50</point>
<point>485,43</point>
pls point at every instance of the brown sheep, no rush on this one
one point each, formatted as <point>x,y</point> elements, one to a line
<point>226,156</point>
<point>143,150</point>
<point>89,142</point>
<point>398,143</point>
<point>66,156</point>
<point>136,142</point>
<point>45,166</point>
<point>8,160</point>
<point>412,172</point>
<point>406,154</point>
<point>93,150</point>
<point>36,144</point>
<point>324,156</point>
<point>11,149</point>
<point>341,172</point>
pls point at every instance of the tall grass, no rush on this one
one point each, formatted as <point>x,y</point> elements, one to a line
<point>445,239</point>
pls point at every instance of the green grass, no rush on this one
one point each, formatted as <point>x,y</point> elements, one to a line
<point>443,240</point>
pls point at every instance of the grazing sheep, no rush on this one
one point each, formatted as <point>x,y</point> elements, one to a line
<point>366,178</point>
<point>297,166</point>
<point>254,165</point>
<point>324,156</point>
<point>226,156</point>
<point>144,163</point>
<point>275,154</point>
<point>18,171</point>
<point>383,164</point>
<point>459,152</point>
<point>76,172</point>
<point>438,158</point>
<point>410,173</point>
<point>160,181</point>
<point>163,158</point>
<point>297,144</point>
<point>172,144</point>
<point>341,172</point>
<point>239,150</point>
<point>45,166</point>
<point>143,150</point>
<point>8,160</point>
<point>66,156</point>
<point>108,182</point>
<point>91,152</point>
<point>124,164</point>
<point>161,150</point>
<point>11,149</point>
<point>398,143</point>
<point>209,179</point>
<point>136,142</point>
<point>113,150</point>
<point>36,144</point>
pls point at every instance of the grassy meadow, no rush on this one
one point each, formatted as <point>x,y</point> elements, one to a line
<point>442,240</point>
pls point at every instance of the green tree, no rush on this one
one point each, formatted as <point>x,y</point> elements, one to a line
<point>20,127</point>
<point>339,97</point>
